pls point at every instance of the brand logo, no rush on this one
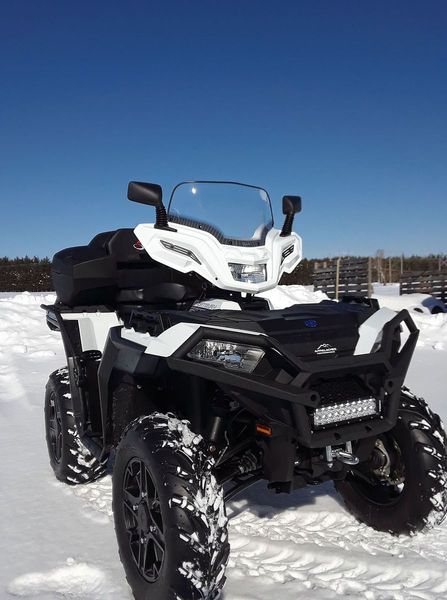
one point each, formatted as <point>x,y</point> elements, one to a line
<point>311,323</point>
<point>138,246</point>
<point>325,349</point>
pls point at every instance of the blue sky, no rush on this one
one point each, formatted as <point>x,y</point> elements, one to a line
<point>341,101</point>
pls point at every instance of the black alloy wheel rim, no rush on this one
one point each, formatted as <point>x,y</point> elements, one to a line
<point>55,427</point>
<point>143,520</point>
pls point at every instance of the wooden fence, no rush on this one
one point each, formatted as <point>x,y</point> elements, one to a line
<point>428,282</point>
<point>343,276</point>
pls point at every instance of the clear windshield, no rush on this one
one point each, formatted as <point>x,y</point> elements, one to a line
<point>233,212</point>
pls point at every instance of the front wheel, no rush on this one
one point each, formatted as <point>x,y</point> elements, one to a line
<point>406,491</point>
<point>169,512</point>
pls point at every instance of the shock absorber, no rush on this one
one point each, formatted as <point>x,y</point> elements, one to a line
<point>243,464</point>
<point>215,430</point>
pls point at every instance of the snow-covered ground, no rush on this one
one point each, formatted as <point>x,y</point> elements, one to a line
<point>58,542</point>
<point>389,295</point>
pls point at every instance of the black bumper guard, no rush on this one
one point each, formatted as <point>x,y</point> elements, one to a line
<point>389,365</point>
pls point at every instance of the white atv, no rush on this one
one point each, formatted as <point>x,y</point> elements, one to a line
<point>198,388</point>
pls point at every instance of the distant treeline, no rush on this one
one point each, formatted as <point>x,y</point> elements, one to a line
<point>33,274</point>
<point>5,261</point>
<point>25,274</point>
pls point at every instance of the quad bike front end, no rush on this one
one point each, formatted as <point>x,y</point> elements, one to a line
<point>310,415</point>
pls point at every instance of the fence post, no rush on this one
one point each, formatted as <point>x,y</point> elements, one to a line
<point>337,278</point>
<point>370,290</point>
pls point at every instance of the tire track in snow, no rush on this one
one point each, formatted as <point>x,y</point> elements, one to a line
<point>96,499</point>
<point>318,553</point>
<point>330,553</point>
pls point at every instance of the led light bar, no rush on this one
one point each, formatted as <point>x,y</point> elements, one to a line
<point>346,411</point>
<point>228,354</point>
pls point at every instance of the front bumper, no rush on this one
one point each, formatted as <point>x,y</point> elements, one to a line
<point>288,394</point>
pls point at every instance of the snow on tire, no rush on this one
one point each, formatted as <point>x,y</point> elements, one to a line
<point>418,498</point>
<point>169,512</point>
<point>70,460</point>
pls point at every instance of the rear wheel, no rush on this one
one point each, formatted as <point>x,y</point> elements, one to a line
<point>406,492</point>
<point>71,462</point>
<point>169,512</point>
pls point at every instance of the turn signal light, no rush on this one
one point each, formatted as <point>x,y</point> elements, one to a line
<point>263,429</point>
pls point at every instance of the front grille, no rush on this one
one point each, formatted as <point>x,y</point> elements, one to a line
<point>335,391</point>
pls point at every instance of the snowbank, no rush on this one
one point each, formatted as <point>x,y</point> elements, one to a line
<point>422,303</point>
<point>286,295</point>
<point>433,330</point>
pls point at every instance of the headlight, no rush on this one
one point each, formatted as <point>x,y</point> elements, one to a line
<point>227,354</point>
<point>248,273</point>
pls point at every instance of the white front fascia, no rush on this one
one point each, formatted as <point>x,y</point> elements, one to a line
<point>210,259</point>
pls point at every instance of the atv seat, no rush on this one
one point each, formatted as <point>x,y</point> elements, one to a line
<point>114,269</point>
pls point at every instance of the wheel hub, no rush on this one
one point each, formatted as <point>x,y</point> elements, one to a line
<point>143,517</point>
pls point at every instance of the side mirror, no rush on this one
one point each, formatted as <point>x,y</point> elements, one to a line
<point>151,194</point>
<point>145,193</point>
<point>290,206</point>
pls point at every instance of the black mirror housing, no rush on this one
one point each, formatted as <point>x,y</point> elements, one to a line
<point>145,193</point>
<point>291,205</point>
